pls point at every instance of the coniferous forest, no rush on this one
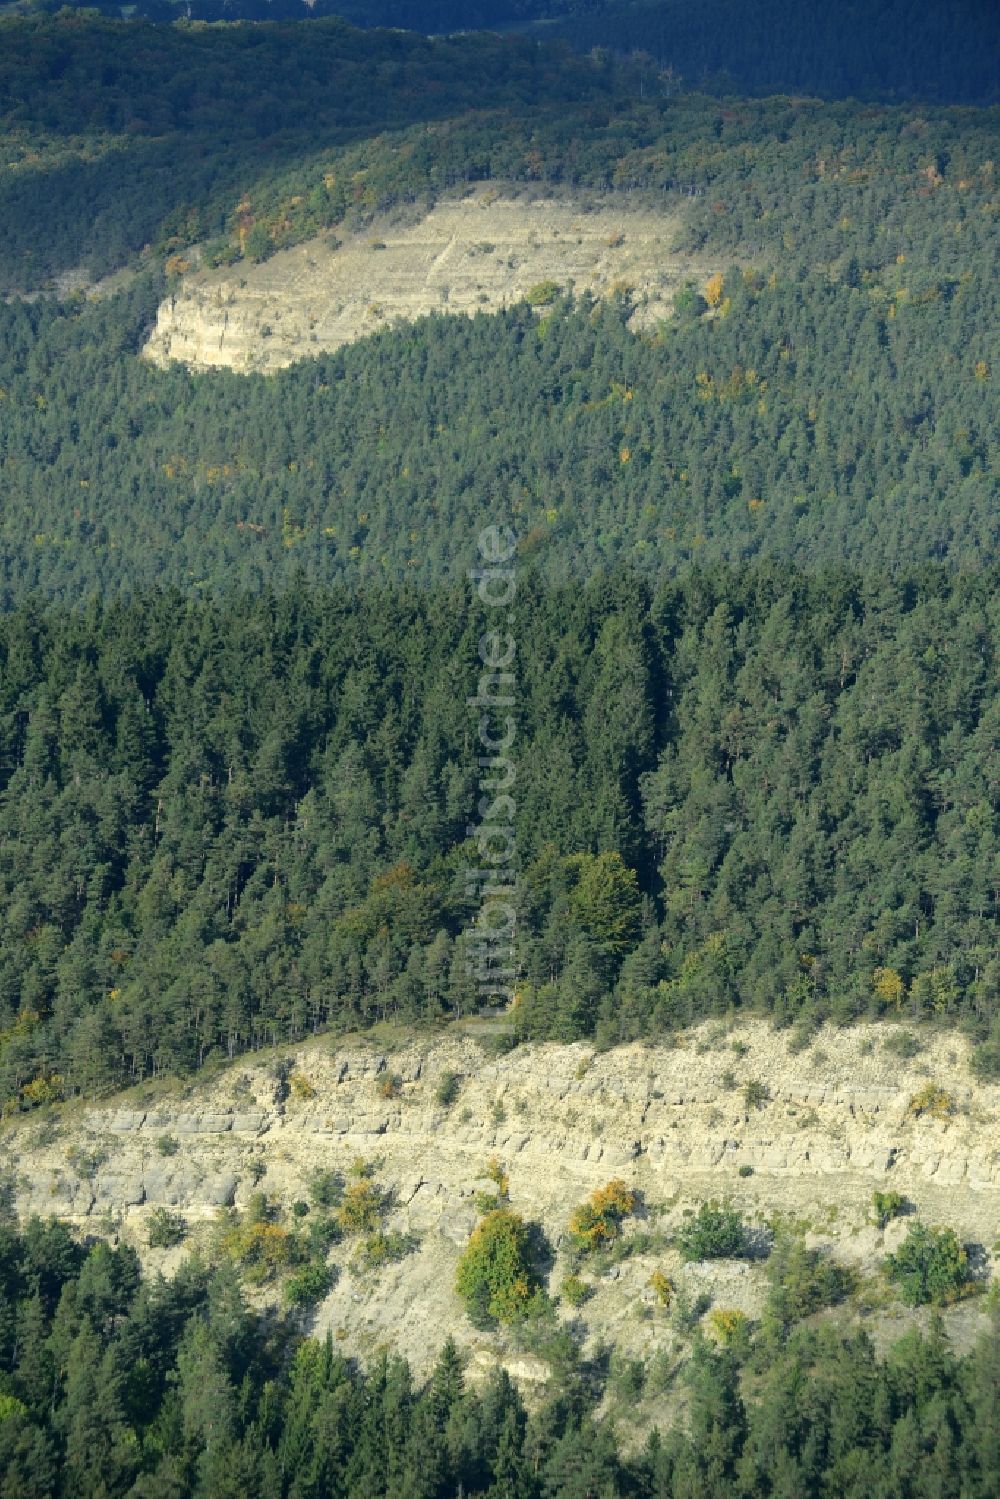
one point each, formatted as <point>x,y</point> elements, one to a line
<point>230,823</point>
<point>756,653</point>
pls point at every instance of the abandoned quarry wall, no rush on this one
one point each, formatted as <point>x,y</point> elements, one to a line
<point>673,1122</point>
<point>476,254</point>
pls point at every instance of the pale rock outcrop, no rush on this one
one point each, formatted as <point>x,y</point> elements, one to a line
<point>475,254</point>
<point>672,1121</point>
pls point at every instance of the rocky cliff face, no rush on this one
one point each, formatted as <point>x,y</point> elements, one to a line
<point>673,1122</point>
<point>478,254</point>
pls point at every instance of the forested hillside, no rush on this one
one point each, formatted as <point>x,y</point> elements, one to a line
<point>830,396</point>
<point>861,49</point>
<point>117,1385</point>
<point>810,420</point>
<point>882,49</point>
<point>277,132</point>
<point>236,810</point>
<point>168,129</point>
<point>753,744</point>
<point>230,823</point>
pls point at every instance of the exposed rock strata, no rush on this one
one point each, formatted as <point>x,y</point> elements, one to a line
<point>671,1121</point>
<point>474,255</point>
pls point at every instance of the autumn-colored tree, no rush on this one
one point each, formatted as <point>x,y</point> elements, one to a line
<point>727,1323</point>
<point>362,1202</point>
<point>932,1100</point>
<point>253,1240</point>
<point>663,1287</point>
<point>889,986</point>
<point>497,1173</point>
<point>714,287</point>
<point>598,1221</point>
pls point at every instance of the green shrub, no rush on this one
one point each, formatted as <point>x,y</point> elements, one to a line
<point>165,1229</point>
<point>300,1209</point>
<point>380,1249</point>
<point>448,1088</point>
<point>661,1371</point>
<point>575,1291</point>
<point>167,1145</point>
<point>902,1044</point>
<point>688,302</point>
<point>643,1242</point>
<point>686,1311</point>
<point>495,1277</point>
<point>803,1281</point>
<point>886,1206</point>
<point>309,1284</point>
<point>12,1409</point>
<point>536,1329</point>
<point>326,1189</point>
<point>626,1377</point>
<point>47,1133</point>
<point>756,1095</point>
<point>929,1267</point>
<point>219,252</point>
<point>745,1170</point>
<point>716,1232</point>
<point>321,1231</point>
<point>544,294</point>
<point>985,1062</point>
<point>802,1035</point>
<point>87,1163</point>
<point>258,244</point>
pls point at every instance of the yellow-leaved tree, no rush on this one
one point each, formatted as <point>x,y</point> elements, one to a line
<point>714,287</point>
<point>597,1221</point>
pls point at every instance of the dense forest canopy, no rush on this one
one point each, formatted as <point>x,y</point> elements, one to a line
<point>230,823</point>
<point>865,49</point>
<point>165,129</point>
<point>791,802</point>
<point>836,403</point>
<point>862,49</point>
<point>820,420</point>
